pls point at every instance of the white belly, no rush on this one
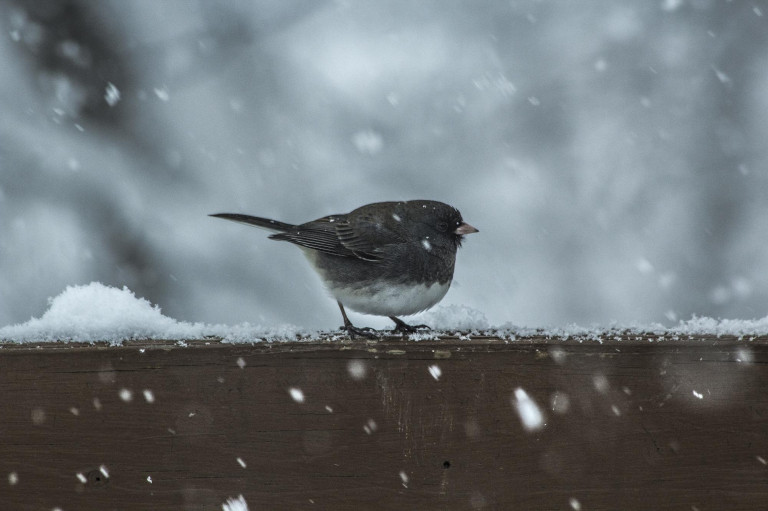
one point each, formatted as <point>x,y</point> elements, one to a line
<point>396,300</point>
<point>399,300</point>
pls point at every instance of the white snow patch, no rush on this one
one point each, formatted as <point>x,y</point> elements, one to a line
<point>529,412</point>
<point>435,371</point>
<point>126,395</point>
<point>575,504</point>
<point>13,478</point>
<point>240,362</point>
<point>698,395</point>
<point>404,478</point>
<point>81,477</point>
<point>149,396</point>
<point>717,327</point>
<point>149,479</point>
<point>237,504</point>
<point>426,244</point>
<point>241,462</point>
<point>296,394</point>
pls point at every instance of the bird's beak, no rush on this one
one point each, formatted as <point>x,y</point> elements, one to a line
<point>464,228</point>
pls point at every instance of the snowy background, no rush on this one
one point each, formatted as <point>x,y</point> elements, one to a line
<point>612,154</point>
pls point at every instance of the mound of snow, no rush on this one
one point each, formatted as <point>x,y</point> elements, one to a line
<point>96,312</point>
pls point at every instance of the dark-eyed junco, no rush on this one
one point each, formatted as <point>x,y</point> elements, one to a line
<point>387,258</point>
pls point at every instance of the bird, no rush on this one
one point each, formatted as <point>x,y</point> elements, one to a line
<point>385,258</point>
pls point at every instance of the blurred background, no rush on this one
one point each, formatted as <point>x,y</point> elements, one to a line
<point>612,154</point>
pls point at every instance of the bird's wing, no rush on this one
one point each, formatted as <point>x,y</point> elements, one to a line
<point>362,238</point>
<point>368,235</point>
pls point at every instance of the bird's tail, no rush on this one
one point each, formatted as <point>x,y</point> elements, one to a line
<point>264,223</point>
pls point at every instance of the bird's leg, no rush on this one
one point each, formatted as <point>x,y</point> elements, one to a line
<point>403,327</point>
<point>351,329</point>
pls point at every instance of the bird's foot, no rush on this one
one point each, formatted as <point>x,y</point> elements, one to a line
<point>401,327</point>
<point>365,331</point>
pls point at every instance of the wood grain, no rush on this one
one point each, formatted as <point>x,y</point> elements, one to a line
<point>629,423</point>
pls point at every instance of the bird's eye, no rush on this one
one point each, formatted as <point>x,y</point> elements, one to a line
<point>442,226</point>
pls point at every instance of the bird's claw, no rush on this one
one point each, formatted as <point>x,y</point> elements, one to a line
<point>401,327</point>
<point>353,331</point>
<point>410,329</point>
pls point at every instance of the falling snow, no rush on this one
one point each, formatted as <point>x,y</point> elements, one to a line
<point>126,395</point>
<point>38,416</point>
<point>370,426</point>
<point>162,94</point>
<point>601,383</point>
<point>296,394</point>
<point>112,94</point>
<point>237,504</point>
<point>356,369</point>
<point>368,142</point>
<point>529,412</point>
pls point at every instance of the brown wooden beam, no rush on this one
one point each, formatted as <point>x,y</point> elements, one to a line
<point>630,422</point>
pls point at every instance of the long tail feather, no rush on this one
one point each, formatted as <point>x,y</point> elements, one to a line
<point>264,223</point>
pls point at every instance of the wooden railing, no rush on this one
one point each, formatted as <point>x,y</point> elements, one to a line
<point>623,422</point>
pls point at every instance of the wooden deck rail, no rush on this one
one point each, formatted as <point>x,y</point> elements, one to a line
<point>630,423</point>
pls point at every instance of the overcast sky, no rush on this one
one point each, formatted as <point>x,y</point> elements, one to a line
<point>612,154</point>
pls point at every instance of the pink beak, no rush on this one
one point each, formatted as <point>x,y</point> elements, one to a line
<point>465,228</point>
